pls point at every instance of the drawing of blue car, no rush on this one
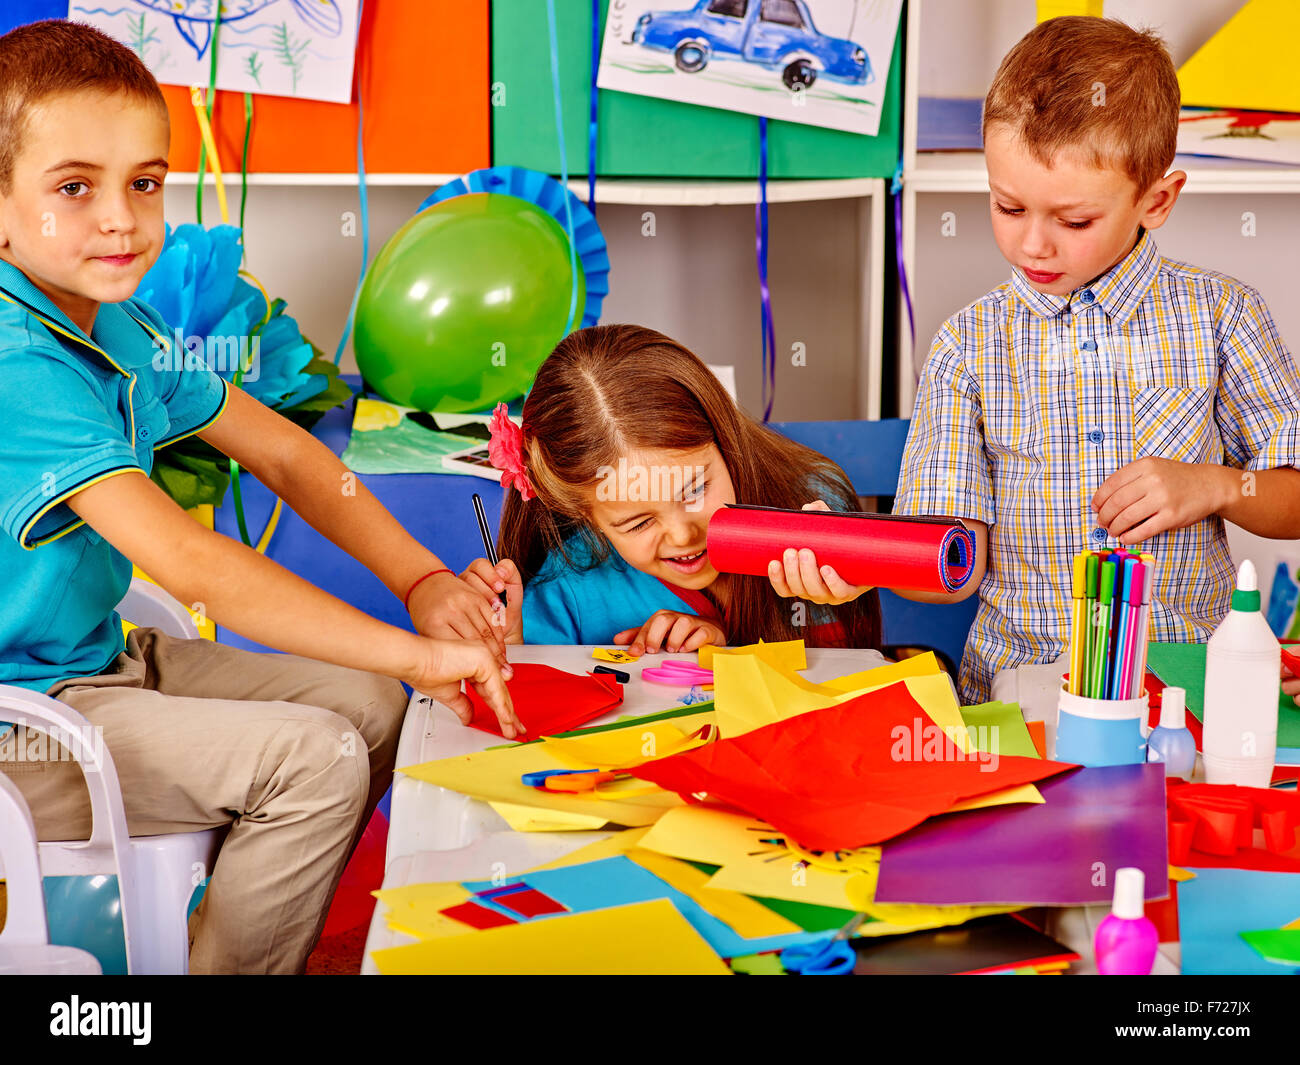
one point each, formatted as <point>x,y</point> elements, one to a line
<point>776,34</point>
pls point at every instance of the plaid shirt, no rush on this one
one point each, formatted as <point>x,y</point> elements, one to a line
<point>1028,402</point>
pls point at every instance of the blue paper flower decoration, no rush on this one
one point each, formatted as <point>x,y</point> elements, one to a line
<point>196,287</point>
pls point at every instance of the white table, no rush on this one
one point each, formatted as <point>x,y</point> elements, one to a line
<point>438,835</point>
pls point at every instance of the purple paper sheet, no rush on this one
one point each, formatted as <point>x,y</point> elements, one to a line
<point>1061,852</point>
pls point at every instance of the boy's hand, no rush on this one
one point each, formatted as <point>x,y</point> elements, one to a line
<point>489,582</point>
<point>1291,685</point>
<point>673,632</point>
<point>445,607</point>
<point>1154,495</point>
<point>796,575</point>
<point>448,662</point>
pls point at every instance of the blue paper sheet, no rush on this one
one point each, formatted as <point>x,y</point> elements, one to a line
<point>1219,904</point>
<point>619,881</point>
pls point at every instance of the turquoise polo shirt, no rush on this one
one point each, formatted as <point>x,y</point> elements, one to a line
<point>78,409</point>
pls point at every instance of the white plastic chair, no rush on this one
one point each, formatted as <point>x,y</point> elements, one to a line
<point>25,940</point>
<point>155,874</point>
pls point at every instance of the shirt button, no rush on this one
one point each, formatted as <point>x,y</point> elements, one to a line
<point>144,432</point>
<point>1099,535</point>
<point>1096,436</point>
<point>1089,345</point>
<point>1087,296</point>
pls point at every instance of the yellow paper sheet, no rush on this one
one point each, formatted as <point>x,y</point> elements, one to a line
<point>493,776</point>
<point>534,819</point>
<point>621,748</point>
<point>1048,9</point>
<point>649,938</point>
<point>612,654</point>
<point>739,912</point>
<point>1178,875</point>
<point>749,866</point>
<point>785,654</point>
<point>1249,62</point>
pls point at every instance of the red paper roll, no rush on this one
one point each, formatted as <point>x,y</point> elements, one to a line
<point>927,554</point>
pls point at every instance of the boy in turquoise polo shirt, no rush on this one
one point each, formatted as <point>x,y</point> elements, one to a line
<point>202,735</point>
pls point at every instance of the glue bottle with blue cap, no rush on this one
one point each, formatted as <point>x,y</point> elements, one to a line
<point>1171,741</point>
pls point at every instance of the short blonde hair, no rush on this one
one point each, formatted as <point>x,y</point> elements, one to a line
<point>1091,83</point>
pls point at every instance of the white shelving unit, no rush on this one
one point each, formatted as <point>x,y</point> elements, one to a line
<point>867,195</point>
<point>1004,22</point>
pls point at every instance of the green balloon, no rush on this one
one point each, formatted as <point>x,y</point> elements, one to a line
<point>464,303</point>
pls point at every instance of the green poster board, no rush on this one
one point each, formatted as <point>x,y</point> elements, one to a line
<point>644,137</point>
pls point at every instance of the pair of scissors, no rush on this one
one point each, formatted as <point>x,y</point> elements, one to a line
<point>825,957</point>
<point>677,674</point>
<point>570,780</point>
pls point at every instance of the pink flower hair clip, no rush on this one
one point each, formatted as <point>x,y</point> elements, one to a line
<point>506,452</point>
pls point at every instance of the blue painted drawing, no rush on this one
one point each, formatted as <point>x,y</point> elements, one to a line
<point>778,35</point>
<point>194,18</point>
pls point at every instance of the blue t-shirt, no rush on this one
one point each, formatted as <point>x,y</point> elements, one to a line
<point>589,606</point>
<point>78,410</point>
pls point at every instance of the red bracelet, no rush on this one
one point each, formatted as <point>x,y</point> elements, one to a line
<point>432,573</point>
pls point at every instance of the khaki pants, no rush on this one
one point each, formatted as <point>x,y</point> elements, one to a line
<point>204,736</point>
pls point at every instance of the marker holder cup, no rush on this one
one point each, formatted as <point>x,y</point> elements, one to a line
<point>1096,732</point>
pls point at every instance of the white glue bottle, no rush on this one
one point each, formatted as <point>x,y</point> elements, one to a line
<point>1243,669</point>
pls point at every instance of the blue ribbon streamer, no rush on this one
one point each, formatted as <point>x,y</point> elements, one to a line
<point>761,246</point>
<point>595,108</point>
<point>564,166</point>
<point>361,195</point>
<point>895,189</point>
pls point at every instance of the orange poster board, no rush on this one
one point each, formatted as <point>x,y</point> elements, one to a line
<point>423,71</point>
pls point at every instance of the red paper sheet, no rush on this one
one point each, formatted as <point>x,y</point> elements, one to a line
<point>476,916</point>
<point>530,903</point>
<point>549,700</point>
<point>1223,826</point>
<point>881,550</point>
<point>847,776</point>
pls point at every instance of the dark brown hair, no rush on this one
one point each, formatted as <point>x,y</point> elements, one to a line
<point>612,389</point>
<point>1094,83</point>
<point>43,59</point>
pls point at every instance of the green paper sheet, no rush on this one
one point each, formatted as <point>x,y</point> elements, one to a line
<point>1182,665</point>
<point>1279,945</point>
<point>1013,736</point>
<point>758,965</point>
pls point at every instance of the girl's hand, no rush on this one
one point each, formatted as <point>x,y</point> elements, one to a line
<point>445,607</point>
<point>673,632</point>
<point>446,663</point>
<point>490,582</point>
<point>797,576</point>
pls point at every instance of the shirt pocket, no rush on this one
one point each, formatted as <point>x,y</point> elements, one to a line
<point>1175,423</point>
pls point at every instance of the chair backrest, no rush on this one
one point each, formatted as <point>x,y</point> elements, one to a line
<point>871,453</point>
<point>25,922</point>
<point>146,604</point>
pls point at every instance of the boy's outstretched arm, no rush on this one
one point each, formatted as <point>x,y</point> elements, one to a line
<point>1152,495</point>
<point>309,477</point>
<point>968,589</point>
<point>261,600</point>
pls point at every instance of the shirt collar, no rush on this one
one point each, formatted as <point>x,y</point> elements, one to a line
<point>109,319</point>
<point>1118,291</point>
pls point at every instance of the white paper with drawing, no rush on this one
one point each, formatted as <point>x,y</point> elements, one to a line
<point>819,62</point>
<point>302,48</point>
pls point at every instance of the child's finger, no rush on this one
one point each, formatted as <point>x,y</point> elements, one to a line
<point>776,574</point>
<point>657,628</point>
<point>811,578</point>
<point>793,578</point>
<point>839,587</point>
<point>626,636</point>
<point>697,639</point>
<point>681,629</point>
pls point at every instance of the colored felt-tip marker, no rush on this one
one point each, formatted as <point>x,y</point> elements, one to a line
<point>1133,626</point>
<point>1118,625</point>
<point>1078,620</point>
<point>1101,629</point>
<point>1090,598</point>
<point>489,549</point>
